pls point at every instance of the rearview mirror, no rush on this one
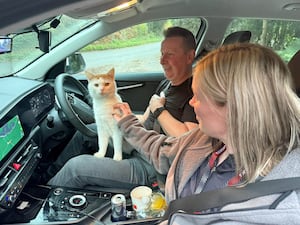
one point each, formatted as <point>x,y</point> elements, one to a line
<point>5,44</point>
<point>44,40</point>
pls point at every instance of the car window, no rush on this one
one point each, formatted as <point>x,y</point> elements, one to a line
<point>283,36</point>
<point>134,49</point>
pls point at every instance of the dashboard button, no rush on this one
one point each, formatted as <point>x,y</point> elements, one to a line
<point>17,166</point>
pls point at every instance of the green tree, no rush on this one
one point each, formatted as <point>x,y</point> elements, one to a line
<point>273,33</point>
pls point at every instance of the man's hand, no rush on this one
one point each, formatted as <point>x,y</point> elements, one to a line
<point>157,102</point>
<point>121,110</point>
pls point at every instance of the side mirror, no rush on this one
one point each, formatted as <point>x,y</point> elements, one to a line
<point>5,44</point>
<point>74,63</point>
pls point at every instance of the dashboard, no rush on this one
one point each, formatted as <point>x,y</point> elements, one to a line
<point>40,102</point>
<point>24,104</point>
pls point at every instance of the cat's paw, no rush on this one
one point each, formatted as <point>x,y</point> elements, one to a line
<point>117,157</point>
<point>99,155</point>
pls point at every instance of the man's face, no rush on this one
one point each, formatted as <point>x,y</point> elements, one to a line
<point>175,60</point>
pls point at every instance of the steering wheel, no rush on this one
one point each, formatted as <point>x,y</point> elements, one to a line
<point>78,111</point>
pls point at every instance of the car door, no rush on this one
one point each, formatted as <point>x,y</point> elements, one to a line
<point>137,89</point>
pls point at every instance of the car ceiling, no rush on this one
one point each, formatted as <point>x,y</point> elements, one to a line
<point>23,13</point>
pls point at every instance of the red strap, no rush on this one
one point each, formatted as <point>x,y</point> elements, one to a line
<point>235,180</point>
<point>214,156</point>
<point>212,163</point>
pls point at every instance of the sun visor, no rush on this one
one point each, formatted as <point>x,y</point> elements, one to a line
<point>120,15</point>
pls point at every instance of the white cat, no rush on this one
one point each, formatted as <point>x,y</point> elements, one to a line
<point>102,89</point>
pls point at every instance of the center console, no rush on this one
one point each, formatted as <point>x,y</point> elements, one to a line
<point>67,205</point>
<point>44,205</point>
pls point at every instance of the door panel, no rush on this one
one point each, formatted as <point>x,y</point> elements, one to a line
<point>136,89</point>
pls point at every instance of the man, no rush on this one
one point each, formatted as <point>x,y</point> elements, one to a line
<point>169,112</point>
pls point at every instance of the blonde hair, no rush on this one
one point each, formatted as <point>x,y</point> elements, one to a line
<point>263,111</point>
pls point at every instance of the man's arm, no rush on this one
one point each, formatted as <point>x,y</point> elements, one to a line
<point>170,125</point>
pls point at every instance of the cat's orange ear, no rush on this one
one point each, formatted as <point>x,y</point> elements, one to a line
<point>89,75</point>
<point>111,72</point>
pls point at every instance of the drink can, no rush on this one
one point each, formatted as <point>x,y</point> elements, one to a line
<point>118,208</point>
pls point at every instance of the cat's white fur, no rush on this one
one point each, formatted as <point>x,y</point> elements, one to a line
<point>102,89</point>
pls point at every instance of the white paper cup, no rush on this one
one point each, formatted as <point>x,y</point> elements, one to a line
<point>141,200</point>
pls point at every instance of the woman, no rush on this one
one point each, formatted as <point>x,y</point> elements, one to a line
<point>243,99</point>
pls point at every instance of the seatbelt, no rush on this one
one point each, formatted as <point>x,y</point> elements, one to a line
<point>221,197</point>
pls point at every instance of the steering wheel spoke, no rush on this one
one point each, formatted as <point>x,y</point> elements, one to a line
<point>78,111</point>
<point>82,109</point>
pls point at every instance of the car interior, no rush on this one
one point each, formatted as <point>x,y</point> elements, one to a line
<point>44,99</point>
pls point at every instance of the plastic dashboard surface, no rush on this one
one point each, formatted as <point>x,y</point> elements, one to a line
<point>13,88</point>
<point>23,105</point>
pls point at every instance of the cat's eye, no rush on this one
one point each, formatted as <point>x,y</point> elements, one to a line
<point>96,85</point>
<point>106,84</point>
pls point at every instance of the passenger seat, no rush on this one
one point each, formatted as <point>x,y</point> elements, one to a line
<point>238,36</point>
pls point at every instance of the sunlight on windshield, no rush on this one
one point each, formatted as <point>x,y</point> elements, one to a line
<point>25,48</point>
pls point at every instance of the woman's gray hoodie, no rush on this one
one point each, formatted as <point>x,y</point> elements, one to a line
<point>180,157</point>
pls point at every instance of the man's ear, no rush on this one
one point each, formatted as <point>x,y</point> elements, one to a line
<point>191,56</point>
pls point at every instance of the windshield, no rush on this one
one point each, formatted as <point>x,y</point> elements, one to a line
<point>25,47</point>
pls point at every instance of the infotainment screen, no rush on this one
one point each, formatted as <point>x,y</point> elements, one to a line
<point>10,134</point>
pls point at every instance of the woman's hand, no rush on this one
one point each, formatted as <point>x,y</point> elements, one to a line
<point>121,110</point>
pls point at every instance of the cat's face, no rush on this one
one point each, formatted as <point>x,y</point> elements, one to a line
<point>101,85</point>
